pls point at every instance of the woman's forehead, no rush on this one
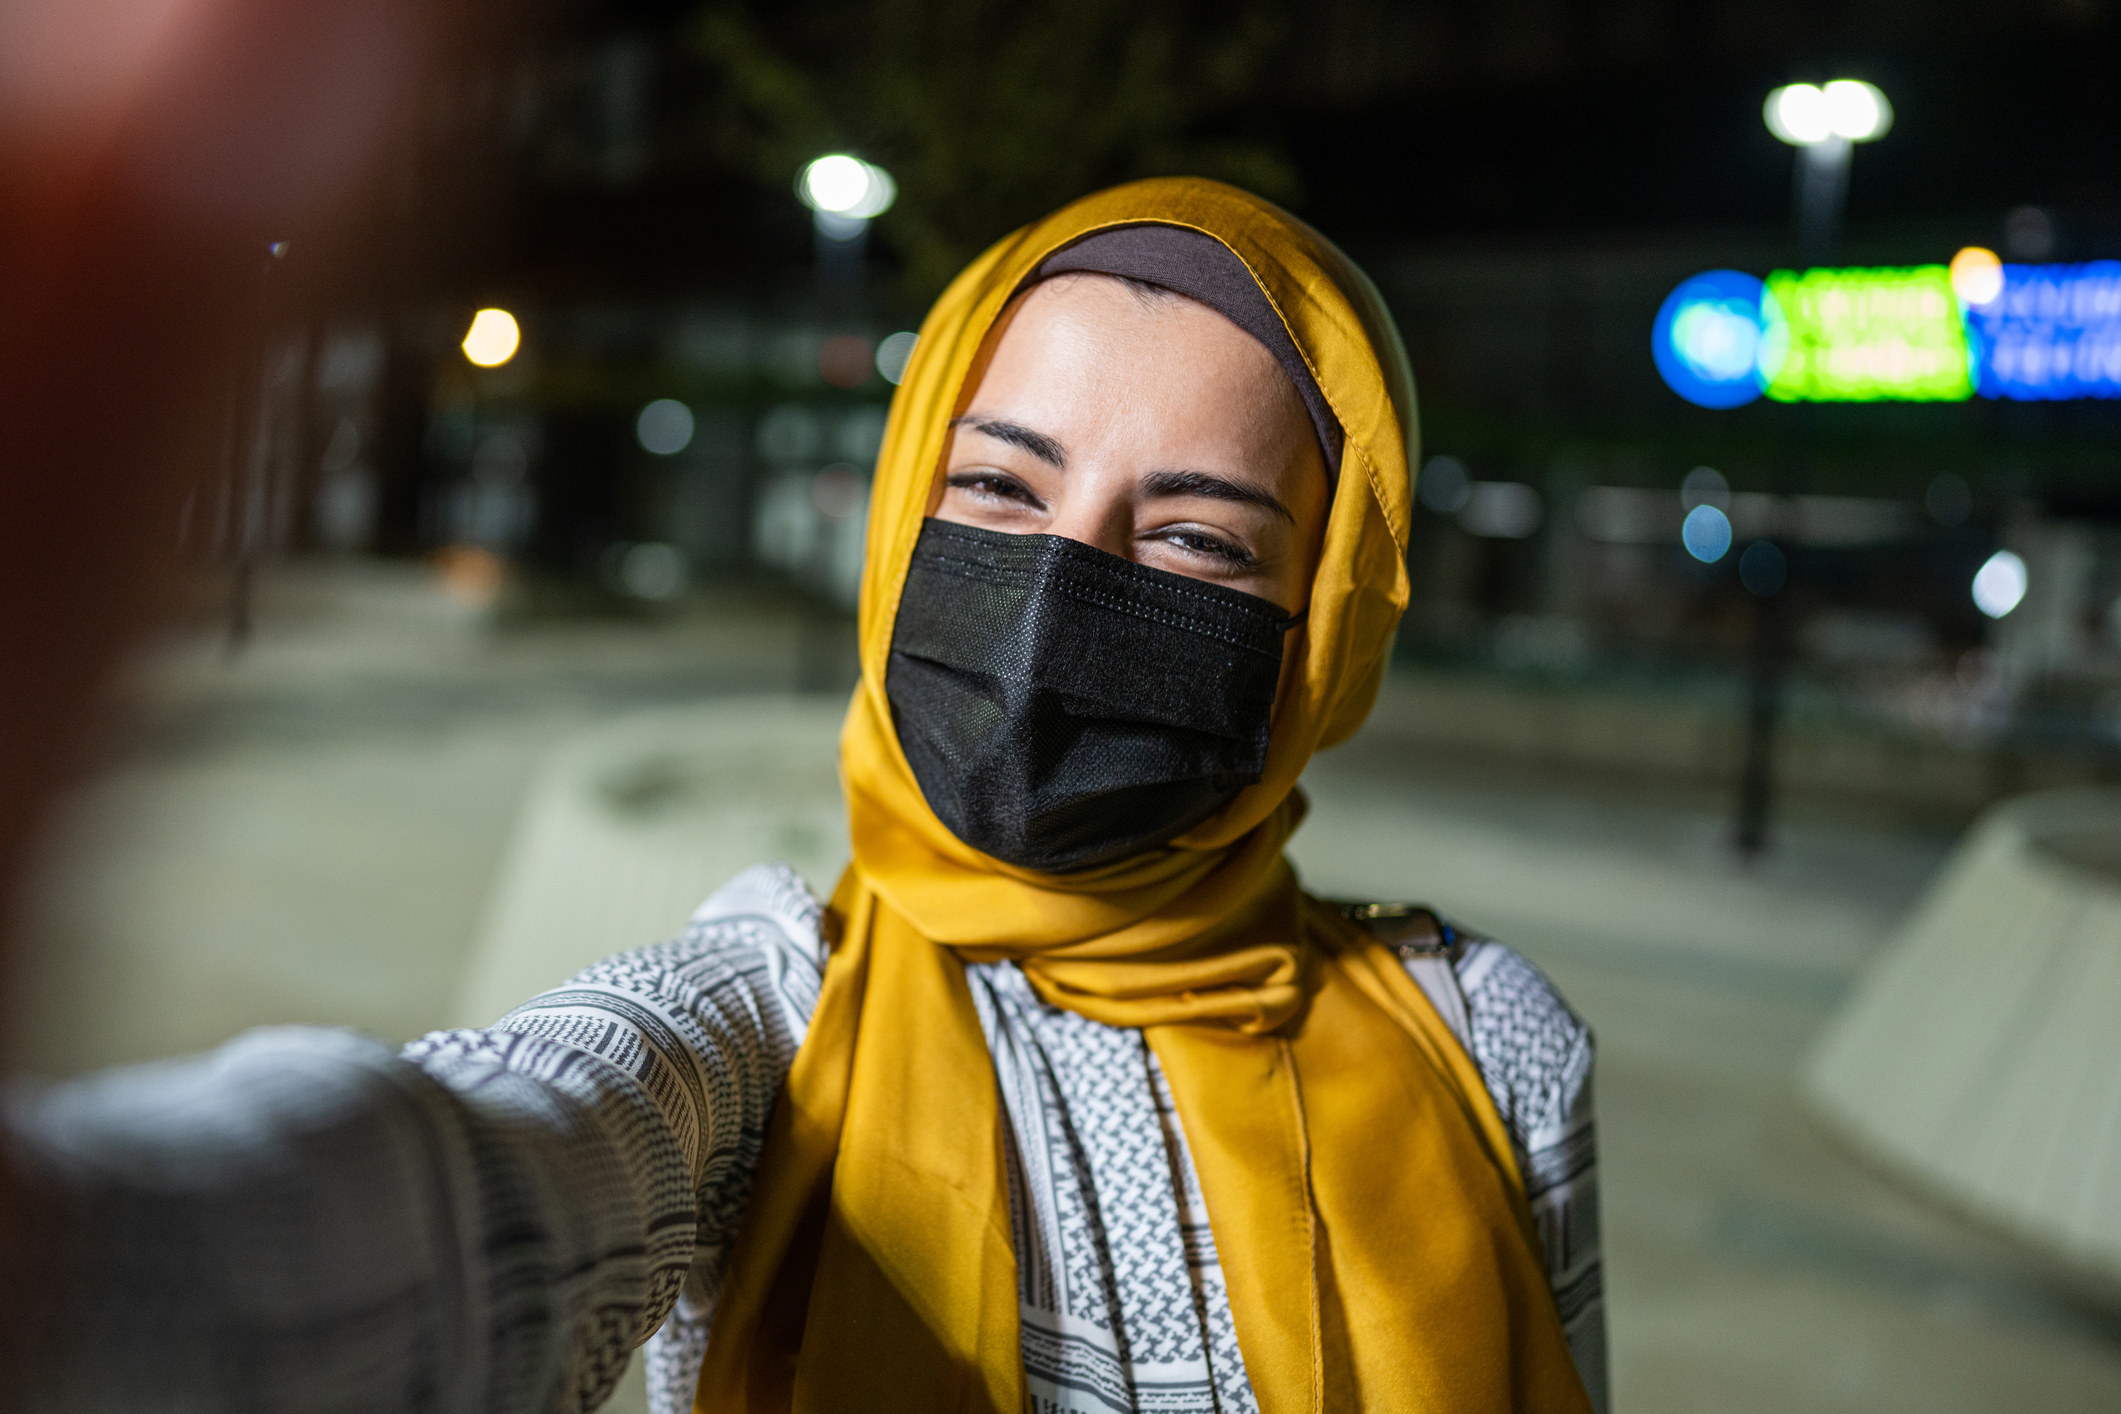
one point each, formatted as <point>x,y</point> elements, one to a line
<point>1193,263</point>
<point>1092,336</point>
<point>1124,318</point>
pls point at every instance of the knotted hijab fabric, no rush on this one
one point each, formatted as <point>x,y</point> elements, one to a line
<point>1368,1213</point>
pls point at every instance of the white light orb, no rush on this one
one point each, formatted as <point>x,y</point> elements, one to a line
<point>1805,115</point>
<point>893,353</point>
<point>1718,342</point>
<point>1977,275</point>
<point>664,427</point>
<point>493,338</point>
<point>1797,113</point>
<point>840,185</point>
<point>654,571</point>
<point>1999,584</point>
<point>1501,510</point>
<point>1856,110</point>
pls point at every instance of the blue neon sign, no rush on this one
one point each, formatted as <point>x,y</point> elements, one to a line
<point>2054,332</point>
<point>2028,332</point>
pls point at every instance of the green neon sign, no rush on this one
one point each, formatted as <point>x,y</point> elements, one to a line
<point>1860,336</point>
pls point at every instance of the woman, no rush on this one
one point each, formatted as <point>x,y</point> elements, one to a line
<point>1087,1106</point>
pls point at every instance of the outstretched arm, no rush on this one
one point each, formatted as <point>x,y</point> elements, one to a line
<point>490,1220</point>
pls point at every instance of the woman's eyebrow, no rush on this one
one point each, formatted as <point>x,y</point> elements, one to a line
<point>1038,444</point>
<point>1220,488</point>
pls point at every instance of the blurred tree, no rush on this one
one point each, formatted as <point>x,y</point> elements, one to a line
<point>990,113</point>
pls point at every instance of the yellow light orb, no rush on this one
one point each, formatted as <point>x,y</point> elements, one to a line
<point>493,338</point>
<point>1977,275</point>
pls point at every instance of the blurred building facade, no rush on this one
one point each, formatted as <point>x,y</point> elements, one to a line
<point>700,390</point>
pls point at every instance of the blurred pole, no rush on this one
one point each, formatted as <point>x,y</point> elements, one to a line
<point>1764,573</point>
<point>1823,125</point>
<point>1767,665</point>
<point>842,264</point>
<point>1821,196</point>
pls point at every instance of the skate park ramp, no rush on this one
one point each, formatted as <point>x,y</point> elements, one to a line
<point>1980,1055</point>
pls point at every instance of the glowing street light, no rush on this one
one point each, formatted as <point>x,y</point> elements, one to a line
<point>846,193</point>
<point>493,338</point>
<point>1804,115</point>
<point>1822,122</point>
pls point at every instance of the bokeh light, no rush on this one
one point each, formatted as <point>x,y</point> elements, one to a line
<point>1705,486</point>
<point>838,491</point>
<point>1948,499</point>
<point>1856,110</point>
<point>844,360</point>
<point>1999,584</point>
<point>1706,533</point>
<point>1718,339</point>
<point>664,427</point>
<point>894,353</point>
<point>1797,114</point>
<point>1444,485</point>
<point>1868,335</point>
<point>471,574</point>
<point>1762,569</point>
<point>1804,114</point>
<point>2029,233</point>
<point>2052,332</point>
<point>654,571</point>
<point>1918,333</point>
<point>1977,275</point>
<point>840,185</point>
<point>493,338</point>
<point>1501,510</point>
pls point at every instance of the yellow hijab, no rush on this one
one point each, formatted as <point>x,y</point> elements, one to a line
<point>1365,1204</point>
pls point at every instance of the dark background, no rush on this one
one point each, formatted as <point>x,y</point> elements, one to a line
<point>1526,182</point>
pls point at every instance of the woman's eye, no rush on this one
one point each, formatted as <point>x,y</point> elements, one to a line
<point>996,485</point>
<point>1213,547</point>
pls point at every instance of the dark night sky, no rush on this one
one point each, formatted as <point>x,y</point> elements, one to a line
<point>1984,121</point>
<point>1528,121</point>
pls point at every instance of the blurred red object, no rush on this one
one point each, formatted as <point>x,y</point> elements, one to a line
<point>151,151</point>
<point>846,361</point>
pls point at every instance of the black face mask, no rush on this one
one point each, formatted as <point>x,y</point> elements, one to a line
<point>1064,708</point>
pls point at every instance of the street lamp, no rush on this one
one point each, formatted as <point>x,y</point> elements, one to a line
<point>845,193</point>
<point>1823,122</point>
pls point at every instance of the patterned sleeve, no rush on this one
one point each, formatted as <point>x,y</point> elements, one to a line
<point>488,1221</point>
<point>1536,1056</point>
